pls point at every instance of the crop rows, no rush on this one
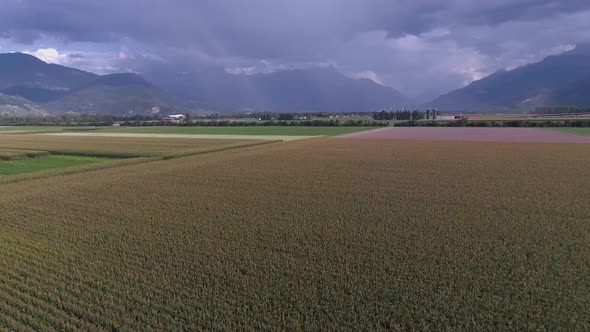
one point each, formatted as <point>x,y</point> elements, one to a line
<point>9,154</point>
<point>114,147</point>
<point>313,234</point>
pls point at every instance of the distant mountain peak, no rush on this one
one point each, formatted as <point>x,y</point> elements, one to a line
<point>524,87</point>
<point>19,69</point>
<point>19,61</point>
<point>20,56</point>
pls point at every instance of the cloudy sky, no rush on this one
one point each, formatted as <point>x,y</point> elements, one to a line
<point>420,47</point>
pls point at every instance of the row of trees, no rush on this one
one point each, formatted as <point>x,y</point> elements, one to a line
<point>286,116</point>
<point>548,110</point>
<point>228,123</point>
<point>405,115</point>
<point>66,119</point>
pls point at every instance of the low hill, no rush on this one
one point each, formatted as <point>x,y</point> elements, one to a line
<point>315,89</point>
<point>121,94</point>
<point>61,89</point>
<point>525,87</point>
<point>18,69</point>
<point>14,105</point>
<point>38,94</point>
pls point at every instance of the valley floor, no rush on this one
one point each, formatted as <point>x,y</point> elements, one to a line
<point>315,234</point>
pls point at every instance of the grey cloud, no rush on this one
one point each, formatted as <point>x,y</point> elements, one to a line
<point>415,45</point>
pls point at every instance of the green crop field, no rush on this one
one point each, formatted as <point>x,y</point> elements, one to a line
<point>28,165</point>
<point>319,234</point>
<point>577,131</point>
<point>253,130</point>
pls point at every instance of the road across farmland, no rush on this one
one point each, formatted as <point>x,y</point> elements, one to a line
<point>236,137</point>
<point>471,134</point>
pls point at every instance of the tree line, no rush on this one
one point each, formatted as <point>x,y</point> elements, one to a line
<point>233,123</point>
<point>560,110</point>
<point>405,115</point>
<point>66,119</point>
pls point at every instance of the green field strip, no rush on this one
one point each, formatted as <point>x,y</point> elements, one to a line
<point>74,170</point>
<point>29,165</point>
<point>575,131</point>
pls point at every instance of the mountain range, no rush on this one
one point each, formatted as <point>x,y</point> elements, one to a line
<point>57,89</point>
<point>31,86</point>
<point>562,79</point>
<point>317,89</point>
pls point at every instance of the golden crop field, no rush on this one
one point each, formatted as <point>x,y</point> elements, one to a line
<point>117,146</point>
<point>316,234</point>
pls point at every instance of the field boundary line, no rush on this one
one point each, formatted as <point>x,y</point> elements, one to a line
<point>220,149</point>
<point>190,136</point>
<point>76,170</point>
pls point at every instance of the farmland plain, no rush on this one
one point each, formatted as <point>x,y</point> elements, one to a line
<point>312,234</point>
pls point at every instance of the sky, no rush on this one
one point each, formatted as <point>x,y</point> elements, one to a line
<point>420,47</point>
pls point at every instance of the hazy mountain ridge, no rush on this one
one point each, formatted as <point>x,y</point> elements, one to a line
<point>18,69</point>
<point>121,94</point>
<point>538,84</point>
<point>556,80</point>
<point>15,105</point>
<point>316,89</point>
<point>62,89</point>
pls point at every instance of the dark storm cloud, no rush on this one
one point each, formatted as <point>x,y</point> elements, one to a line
<point>383,39</point>
<point>256,28</point>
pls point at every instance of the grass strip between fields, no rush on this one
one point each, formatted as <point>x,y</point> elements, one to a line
<point>43,163</point>
<point>74,170</point>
